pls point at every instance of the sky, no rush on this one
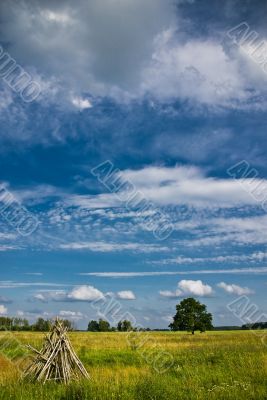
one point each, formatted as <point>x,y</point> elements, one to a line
<point>161,102</point>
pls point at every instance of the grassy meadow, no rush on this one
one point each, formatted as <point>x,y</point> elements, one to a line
<point>212,365</point>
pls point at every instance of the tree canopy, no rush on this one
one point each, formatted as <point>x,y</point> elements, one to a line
<point>191,316</point>
<point>99,326</point>
<point>125,326</point>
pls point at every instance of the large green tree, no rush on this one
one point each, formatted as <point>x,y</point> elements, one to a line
<point>191,316</point>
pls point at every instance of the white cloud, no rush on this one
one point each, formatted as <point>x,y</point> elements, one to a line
<point>40,296</point>
<point>37,194</point>
<point>3,309</point>
<point>176,186</point>
<point>189,287</point>
<point>56,16</point>
<point>256,257</point>
<point>163,186</point>
<point>149,54</point>
<point>14,285</point>
<point>197,288</point>
<point>34,273</point>
<point>85,293</point>
<point>5,247</point>
<point>126,295</point>
<point>78,293</point>
<point>198,70</point>
<point>105,247</point>
<point>235,289</point>
<point>170,294</point>
<point>71,314</point>
<point>81,103</point>
<point>188,185</point>
<point>237,271</point>
<point>217,231</point>
<point>82,40</point>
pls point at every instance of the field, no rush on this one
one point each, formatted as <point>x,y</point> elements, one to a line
<point>213,365</point>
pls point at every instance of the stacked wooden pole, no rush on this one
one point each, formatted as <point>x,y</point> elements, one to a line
<point>57,360</point>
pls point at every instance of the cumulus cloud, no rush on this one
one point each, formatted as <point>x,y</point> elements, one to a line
<point>98,47</point>
<point>189,287</point>
<point>3,309</point>
<point>78,293</point>
<point>81,103</point>
<point>85,293</point>
<point>125,50</point>
<point>126,295</point>
<point>197,288</point>
<point>235,289</point>
<point>199,70</point>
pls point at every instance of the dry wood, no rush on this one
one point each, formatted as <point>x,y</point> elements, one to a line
<point>57,359</point>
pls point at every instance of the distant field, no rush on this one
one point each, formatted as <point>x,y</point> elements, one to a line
<point>214,365</point>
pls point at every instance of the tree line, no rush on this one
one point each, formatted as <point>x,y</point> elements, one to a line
<point>22,324</point>
<point>190,316</point>
<point>104,326</point>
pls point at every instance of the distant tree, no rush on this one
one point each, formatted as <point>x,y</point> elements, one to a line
<point>68,324</point>
<point>191,316</point>
<point>125,326</point>
<point>93,326</point>
<point>6,323</point>
<point>104,326</point>
<point>42,325</point>
<point>255,325</point>
<point>20,324</point>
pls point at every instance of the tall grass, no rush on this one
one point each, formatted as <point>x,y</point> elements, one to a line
<point>214,365</point>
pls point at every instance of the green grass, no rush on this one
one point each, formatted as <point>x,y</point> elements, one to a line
<point>214,365</point>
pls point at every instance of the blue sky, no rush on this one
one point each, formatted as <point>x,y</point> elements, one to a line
<point>162,92</point>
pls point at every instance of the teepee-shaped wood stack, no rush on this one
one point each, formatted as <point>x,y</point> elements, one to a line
<point>57,361</point>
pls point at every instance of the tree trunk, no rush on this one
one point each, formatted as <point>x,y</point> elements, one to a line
<point>193,332</point>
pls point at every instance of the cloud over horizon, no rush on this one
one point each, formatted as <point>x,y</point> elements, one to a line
<point>189,287</point>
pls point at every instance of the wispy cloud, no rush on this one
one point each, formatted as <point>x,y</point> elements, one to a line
<point>15,285</point>
<point>105,247</point>
<point>5,247</point>
<point>237,271</point>
<point>176,186</point>
<point>257,257</point>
